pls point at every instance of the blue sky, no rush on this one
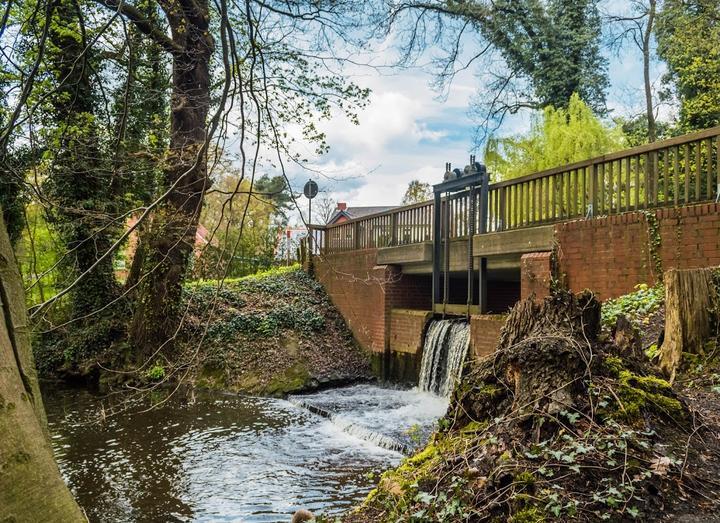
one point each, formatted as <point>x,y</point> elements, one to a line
<point>407,132</point>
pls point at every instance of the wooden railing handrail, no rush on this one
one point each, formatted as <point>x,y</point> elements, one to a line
<point>374,215</point>
<point>609,157</point>
<point>619,155</point>
<point>683,170</point>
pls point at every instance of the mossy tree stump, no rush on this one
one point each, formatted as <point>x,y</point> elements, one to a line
<point>691,312</point>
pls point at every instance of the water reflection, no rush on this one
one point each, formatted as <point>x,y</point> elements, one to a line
<point>226,458</point>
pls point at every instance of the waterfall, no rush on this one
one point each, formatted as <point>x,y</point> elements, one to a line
<point>444,352</point>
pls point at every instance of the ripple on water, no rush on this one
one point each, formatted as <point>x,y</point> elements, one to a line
<point>230,458</point>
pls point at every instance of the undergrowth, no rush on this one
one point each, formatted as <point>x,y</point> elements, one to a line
<point>611,442</point>
<point>636,306</point>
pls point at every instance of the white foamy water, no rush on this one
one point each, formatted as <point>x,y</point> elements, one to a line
<point>392,415</point>
<point>234,458</point>
<point>444,352</point>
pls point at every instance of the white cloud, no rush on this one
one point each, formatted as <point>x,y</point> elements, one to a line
<point>407,133</point>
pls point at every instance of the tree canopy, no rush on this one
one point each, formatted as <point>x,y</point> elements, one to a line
<point>417,192</point>
<point>688,33</point>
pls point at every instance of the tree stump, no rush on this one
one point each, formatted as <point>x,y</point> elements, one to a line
<point>544,352</point>
<point>691,301</point>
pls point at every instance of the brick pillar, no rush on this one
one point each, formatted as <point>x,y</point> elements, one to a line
<point>485,333</point>
<point>535,274</point>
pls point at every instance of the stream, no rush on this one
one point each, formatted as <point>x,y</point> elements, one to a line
<point>233,458</point>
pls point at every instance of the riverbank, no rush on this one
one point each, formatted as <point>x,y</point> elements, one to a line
<point>568,421</point>
<point>272,334</point>
<point>269,334</point>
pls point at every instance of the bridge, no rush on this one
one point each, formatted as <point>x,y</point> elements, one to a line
<point>607,224</point>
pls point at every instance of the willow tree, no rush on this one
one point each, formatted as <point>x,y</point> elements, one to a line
<point>31,488</point>
<point>556,137</point>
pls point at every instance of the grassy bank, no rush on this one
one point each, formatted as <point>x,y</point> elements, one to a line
<point>272,333</point>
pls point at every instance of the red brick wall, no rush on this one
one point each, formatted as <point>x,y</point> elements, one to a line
<point>536,273</point>
<point>485,332</point>
<point>611,255</point>
<point>356,286</point>
<point>406,330</point>
<point>608,255</point>
<point>365,293</point>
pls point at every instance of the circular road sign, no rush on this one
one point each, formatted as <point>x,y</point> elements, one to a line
<point>310,190</point>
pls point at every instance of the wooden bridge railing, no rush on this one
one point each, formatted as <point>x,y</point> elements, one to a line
<point>679,171</point>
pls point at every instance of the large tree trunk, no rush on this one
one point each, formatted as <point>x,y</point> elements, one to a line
<point>690,301</point>
<point>31,488</point>
<point>649,109</point>
<point>170,237</point>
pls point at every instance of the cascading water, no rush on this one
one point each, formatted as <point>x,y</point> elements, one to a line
<point>444,352</point>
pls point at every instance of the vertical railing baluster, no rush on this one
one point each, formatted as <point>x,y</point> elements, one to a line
<point>717,168</point>
<point>583,195</point>
<point>708,168</point>
<point>686,157</point>
<point>698,162</point>
<point>653,157</point>
<point>676,175</point>
<point>611,187</point>
<point>627,184</point>
<point>394,228</point>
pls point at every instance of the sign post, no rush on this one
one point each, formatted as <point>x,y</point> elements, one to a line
<point>310,191</point>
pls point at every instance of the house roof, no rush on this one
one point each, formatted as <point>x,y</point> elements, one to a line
<point>359,212</point>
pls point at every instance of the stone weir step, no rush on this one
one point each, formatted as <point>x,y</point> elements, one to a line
<point>354,429</point>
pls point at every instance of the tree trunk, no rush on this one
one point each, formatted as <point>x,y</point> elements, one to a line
<point>652,133</point>
<point>80,183</point>
<point>31,488</point>
<point>691,300</point>
<point>170,237</point>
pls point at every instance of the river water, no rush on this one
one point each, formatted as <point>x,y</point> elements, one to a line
<point>233,458</point>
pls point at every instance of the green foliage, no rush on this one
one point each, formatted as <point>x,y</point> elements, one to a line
<point>77,180</point>
<point>637,306</point>
<point>293,307</point>
<point>687,33</point>
<point>156,372</point>
<point>528,515</point>
<point>635,130</point>
<point>417,192</point>
<point>75,347</point>
<point>245,226</point>
<point>557,137</point>
<point>553,45</point>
